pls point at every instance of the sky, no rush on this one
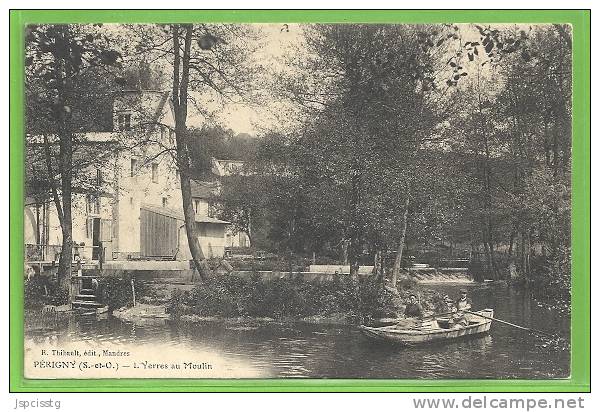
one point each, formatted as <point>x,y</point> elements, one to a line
<point>278,39</point>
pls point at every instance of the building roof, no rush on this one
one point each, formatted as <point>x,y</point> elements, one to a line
<point>151,104</point>
<point>204,189</point>
<point>178,214</point>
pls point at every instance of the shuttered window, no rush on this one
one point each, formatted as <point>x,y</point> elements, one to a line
<point>154,172</point>
<point>105,230</point>
<point>133,168</point>
<point>124,121</point>
<point>89,227</point>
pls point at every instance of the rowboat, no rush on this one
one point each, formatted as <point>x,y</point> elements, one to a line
<point>438,329</point>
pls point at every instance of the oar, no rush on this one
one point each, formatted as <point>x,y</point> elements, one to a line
<point>435,315</point>
<point>405,321</point>
<point>539,332</point>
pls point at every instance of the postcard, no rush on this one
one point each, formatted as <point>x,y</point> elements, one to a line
<point>352,200</point>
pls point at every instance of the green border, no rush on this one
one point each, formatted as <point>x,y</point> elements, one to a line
<point>580,363</point>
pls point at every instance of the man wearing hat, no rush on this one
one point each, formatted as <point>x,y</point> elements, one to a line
<point>463,303</point>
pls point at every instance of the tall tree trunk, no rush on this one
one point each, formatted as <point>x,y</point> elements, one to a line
<point>37,223</point>
<point>493,261</point>
<point>377,264</point>
<point>400,247</point>
<point>65,164</point>
<point>528,256</point>
<point>355,247</point>
<point>249,231</point>
<point>488,258</point>
<point>355,251</point>
<point>180,102</point>
<point>63,72</point>
<point>345,251</point>
<point>511,243</point>
<point>522,265</point>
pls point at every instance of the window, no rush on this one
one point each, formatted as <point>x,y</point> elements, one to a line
<point>89,227</point>
<point>98,177</point>
<point>164,201</point>
<point>154,172</point>
<point>106,230</point>
<point>133,167</point>
<point>211,209</point>
<point>93,205</point>
<point>196,204</point>
<point>124,121</point>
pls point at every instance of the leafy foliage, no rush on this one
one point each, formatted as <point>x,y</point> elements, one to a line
<point>479,146</point>
<point>232,296</point>
<point>40,291</point>
<point>116,292</point>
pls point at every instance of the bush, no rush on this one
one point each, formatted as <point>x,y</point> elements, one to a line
<point>115,291</point>
<point>375,300</point>
<point>176,306</point>
<point>551,278</point>
<point>41,290</point>
<point>233,296</point>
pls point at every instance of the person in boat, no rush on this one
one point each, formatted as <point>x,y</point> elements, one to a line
<point>448,304</point>
<point>457,317</point>
<point>463,302</point>
<point>413,308</point>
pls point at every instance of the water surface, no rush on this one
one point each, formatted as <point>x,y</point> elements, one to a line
<point>276,350</point>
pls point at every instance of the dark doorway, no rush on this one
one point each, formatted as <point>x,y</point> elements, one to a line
<point>96,239</point>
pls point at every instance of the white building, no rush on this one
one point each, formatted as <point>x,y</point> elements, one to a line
<point>127,196</point>
<point>204,195</point>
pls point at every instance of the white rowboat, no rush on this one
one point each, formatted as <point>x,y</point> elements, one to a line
<point>434,331</point>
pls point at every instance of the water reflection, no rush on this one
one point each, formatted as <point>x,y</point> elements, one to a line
<point>305,350</point>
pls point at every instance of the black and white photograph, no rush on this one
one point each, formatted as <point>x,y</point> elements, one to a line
<point>285,200</point>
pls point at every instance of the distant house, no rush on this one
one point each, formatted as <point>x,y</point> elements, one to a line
<point>221,168</point>
<point>130,201</point>
<point>204,195</point>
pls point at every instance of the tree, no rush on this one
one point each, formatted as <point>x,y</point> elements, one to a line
<point>57,59</point>
<point>242,202</point>
<point>211,60</point>
<point>515,134</point>
<point>373,90</point>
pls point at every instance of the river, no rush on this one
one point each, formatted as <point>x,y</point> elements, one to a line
<point>300,350</point>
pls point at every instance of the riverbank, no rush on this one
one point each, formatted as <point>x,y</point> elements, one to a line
<point>143,313</point>
<point>342,300</point>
